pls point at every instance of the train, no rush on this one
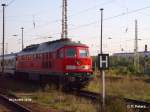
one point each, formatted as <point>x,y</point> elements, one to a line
<point>62,60</point>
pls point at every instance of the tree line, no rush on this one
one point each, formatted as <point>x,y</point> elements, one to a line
<point>125,65</point>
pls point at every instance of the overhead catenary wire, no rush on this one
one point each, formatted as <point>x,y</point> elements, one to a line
<point>80,12</point>
<point>92,8</point>
<point>128,12</point>
<point>58,20</point>
<point>113,17</point>
<point>94,22</point>
<point>85,10</point>
<point>108,18</point>
<point>70,16</point>
<point>12,1</point>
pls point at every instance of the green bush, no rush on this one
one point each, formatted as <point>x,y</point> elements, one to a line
<point>125,65</point>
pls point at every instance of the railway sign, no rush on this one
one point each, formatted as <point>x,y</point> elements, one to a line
<point>146,52</point>
<point>103,60</point>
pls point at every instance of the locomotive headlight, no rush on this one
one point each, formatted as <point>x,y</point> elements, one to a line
<point>66,73</point>
<point>85,67</point>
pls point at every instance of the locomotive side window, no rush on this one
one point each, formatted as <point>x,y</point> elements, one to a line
<point>61,53</point>
<point>83,53</point>
<point>46,55</point>
<point>39,56</point>
<point>71,52</point>
<point>34,56</point>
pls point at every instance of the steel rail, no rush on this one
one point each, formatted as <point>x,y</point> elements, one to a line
<point>97,96</point>
<point>6,96</point>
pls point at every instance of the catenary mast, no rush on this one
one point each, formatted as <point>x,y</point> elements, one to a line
<point>136,55</point>
<point>64,33</point>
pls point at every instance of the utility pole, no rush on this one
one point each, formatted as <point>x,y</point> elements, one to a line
<point>64,33</point>
<point>22,37</point>
<point>136,55</point>
<point>101,40</point>
<point>145,59</point>
<point>3,5</point>
<point>6,48</point>
<point>102,73</point>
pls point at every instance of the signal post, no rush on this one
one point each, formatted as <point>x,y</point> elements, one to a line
<point>145,59</point>
<point>103,60</point>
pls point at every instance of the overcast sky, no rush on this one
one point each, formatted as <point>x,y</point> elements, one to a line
<point>42,18</point>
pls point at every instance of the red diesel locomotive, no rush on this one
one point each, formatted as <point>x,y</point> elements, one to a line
<point>62,59</point>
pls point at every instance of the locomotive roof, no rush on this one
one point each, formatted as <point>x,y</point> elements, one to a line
<point>50,46</point>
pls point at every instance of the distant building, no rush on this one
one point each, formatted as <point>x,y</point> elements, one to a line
<point>131,54</point>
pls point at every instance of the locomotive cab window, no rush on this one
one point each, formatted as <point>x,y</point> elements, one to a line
<point>71,52</point>
<point>83,53</point>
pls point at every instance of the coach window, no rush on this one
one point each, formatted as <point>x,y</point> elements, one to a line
<point>71,52</point>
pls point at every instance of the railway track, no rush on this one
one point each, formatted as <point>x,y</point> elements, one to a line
<point>131,103</point>
<point>14,106</point>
